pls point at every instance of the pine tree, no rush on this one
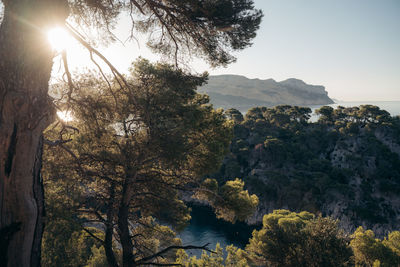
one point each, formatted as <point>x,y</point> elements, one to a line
<point>209,29</point>
<point>132,152</point>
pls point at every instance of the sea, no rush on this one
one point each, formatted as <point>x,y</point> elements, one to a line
<point>393,107</point>
<point>205,228</point>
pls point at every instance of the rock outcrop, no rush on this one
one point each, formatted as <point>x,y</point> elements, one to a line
<point>346,165</point>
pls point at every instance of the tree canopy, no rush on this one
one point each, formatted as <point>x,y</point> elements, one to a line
<point>291,162</point>
<point>370,251</point>
<point>299,239</point>
<point>208,29</point>
<point>303,239</point>
<point>133,152</point>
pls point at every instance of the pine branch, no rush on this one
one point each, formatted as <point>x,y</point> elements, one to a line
<point>145,260</point>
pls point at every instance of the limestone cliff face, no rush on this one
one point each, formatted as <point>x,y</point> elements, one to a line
<point>368,196</point>
<point>234,91</point>
<point>346,165</point>
<point>387,137</point>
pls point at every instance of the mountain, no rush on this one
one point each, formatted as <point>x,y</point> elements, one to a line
<point>235,91</point>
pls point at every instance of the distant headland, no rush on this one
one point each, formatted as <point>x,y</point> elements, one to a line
<point>235,91</point>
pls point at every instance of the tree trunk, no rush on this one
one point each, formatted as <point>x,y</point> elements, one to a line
<point>108,241</point>
<point>123,224</point>
<point>25,111</point>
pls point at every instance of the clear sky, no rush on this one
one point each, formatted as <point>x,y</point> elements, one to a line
<point>352,47</point>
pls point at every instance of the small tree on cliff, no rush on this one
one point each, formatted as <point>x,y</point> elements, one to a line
<point>209,29</point>
<point>298,239</point>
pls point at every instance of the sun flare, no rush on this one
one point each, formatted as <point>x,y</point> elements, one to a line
<point>59,39</point>
<point>65,116</point>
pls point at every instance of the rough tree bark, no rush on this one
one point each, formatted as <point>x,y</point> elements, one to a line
<point>25,111</point>
<point>108,241</point>
<point>123,225</point>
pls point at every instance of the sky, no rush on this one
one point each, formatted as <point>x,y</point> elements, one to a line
<point>352,47</point>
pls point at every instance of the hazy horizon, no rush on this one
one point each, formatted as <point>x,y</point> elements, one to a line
<point>333,98</point>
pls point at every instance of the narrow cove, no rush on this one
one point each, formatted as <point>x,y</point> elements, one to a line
<point>205,228</point>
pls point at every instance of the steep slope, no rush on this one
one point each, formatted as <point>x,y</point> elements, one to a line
<point>346,165</point>
<point>234,91</point>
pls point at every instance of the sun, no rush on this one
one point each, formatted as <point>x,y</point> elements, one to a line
<point>65,116</point>
<point>59,39</point>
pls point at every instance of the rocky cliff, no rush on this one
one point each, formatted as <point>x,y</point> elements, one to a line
<point>346,165</point>
<point>234,91</point>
